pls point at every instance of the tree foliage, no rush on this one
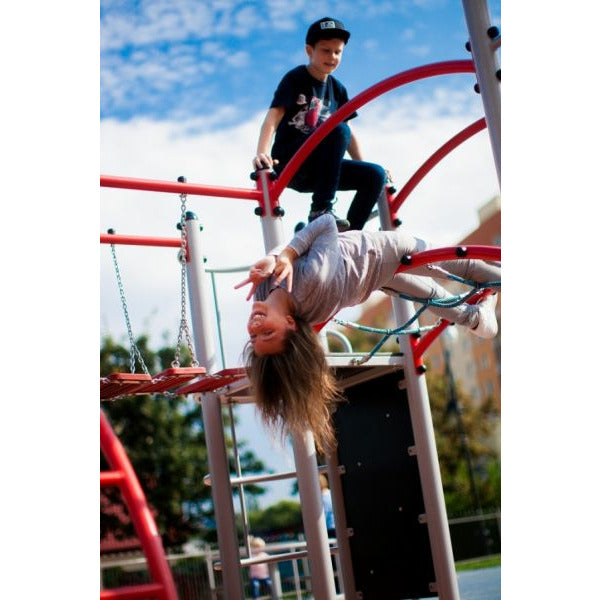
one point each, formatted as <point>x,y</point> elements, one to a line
<point>164,439</point>
<point>456,447</point>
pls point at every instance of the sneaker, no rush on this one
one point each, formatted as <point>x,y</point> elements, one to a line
<point>487,326</point>
<point>342,224</point>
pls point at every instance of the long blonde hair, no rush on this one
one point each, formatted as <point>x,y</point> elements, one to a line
<point>295,389</point>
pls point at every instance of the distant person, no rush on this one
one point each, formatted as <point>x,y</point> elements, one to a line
<point>306,283</point>
<point>327,505</point>
<point>305,97</point>
<point>260,580</point>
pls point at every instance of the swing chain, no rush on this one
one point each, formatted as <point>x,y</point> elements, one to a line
<point>133,349</point>
<point>183,327</point>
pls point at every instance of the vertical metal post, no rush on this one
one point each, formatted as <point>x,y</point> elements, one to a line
<point>305,454</point>
<point>198,290</point>
<point>202,324</point>
<point>486,66</point>
<point>427,458</point>
<point>222,496</point>
<point>344,557</point>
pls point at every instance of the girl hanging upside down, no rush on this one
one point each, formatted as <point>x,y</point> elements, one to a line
<point>307,282</point>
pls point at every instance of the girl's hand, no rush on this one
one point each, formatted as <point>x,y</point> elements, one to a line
<point>260,271</point>
<point>284,267</point>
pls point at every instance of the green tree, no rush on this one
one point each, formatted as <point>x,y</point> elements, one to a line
<point>284,516</point>
<point>480,424</point>
<point>164,438</point>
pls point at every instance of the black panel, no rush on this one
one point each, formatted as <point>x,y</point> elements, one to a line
<point>391,554</point>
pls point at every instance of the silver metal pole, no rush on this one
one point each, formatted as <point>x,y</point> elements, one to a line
<point>199,293</point>
<point>222,496</point>
<point>344,557</point>
<point>305,454</point>
<point>486,66</point>
<point>427,457</point>
<point>313,516</point>
<point>202,324</point>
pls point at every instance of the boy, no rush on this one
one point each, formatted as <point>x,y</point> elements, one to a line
<point>305,97</point>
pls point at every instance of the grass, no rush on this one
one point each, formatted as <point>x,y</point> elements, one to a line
<point>481,563</point>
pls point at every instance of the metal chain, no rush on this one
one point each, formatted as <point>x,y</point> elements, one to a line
<point>133,349</point>
<point>183,326</point>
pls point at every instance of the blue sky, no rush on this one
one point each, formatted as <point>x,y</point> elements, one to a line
<point>175,60</point>
<point>183,89</point>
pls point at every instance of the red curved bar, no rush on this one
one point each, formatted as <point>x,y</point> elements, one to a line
<point>139,240</point>
<point>423,72</point>
<point>153,185</point>
<point>433,160</point>
<point>450,253</point>
<point>140,514</point>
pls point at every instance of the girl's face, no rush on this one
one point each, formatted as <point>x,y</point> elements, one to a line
<point>324,57</point>
<point>268,327</point>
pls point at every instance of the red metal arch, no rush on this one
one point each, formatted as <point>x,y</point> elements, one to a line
<point>123,476</point>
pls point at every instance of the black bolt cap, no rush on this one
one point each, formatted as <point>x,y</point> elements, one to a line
<point>406,259</point>
<point>468,46</point>
<point>278,211</point>
<point>476,88</point>
<point>396,222</point>
<point>181,179</point>
<point>254,176</point>
<point>259,211</point>
<point>493,32</point>
<point>498,74</point>
<point>461,251</point>
<point>421,369</point>
<point>111,231</point>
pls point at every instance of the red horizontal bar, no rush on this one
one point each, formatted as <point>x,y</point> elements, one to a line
<point>139,240</point>
<point>146,590</point>
<point>153,185</point>
<point>111,478</point>
<point>450,253</point>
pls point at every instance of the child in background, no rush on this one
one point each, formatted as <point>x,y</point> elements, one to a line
<point>260,581</point>
<point>305,97</point>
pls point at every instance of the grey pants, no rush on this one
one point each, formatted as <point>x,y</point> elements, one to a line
<point>421,281</point>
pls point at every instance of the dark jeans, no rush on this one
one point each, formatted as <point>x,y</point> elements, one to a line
<point>258,586</point>
<point>326,171</point>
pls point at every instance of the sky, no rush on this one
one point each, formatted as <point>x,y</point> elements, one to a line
<point>83,97</point>
<point>184,87</point>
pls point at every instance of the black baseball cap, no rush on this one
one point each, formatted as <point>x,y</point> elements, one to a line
<point>326,29</point>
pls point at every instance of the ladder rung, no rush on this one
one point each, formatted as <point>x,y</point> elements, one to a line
<point>111,478</point>
<point>169,379</point>
<point>213,382</point>
<point>145,590</point>
<point>121,384</point>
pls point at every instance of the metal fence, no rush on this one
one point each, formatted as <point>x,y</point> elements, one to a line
<point>197,575</point>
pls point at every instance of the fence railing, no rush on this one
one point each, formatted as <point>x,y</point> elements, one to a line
<point>196,578</point>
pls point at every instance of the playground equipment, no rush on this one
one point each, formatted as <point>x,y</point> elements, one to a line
<point>437,575</point>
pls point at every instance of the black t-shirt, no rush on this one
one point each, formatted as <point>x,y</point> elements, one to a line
<point>307,102</point>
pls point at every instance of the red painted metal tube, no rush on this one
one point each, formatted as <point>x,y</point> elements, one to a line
<point>153,185</point>
<point>139,511</point>
<point>112,478</point>
<point>451,253</point>
<point>133,592</point>
<point>423,72</point>
<point>433,160</point>
<point>139,240</point>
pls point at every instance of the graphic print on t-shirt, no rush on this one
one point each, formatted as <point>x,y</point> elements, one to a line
<point>310,114</point>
